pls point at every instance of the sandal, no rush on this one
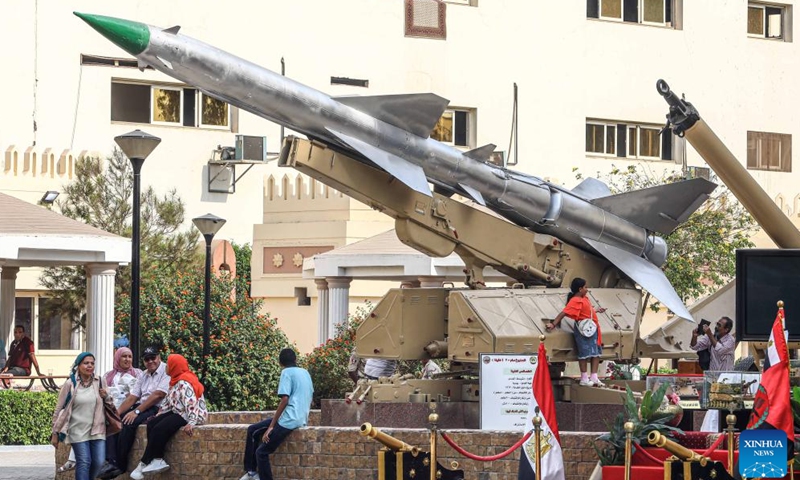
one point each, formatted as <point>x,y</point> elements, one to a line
<point>69,465</point>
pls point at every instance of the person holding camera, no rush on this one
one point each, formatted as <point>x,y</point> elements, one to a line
<point>719,343</point>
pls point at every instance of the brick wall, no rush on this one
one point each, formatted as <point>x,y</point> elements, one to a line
<point>215,452</point>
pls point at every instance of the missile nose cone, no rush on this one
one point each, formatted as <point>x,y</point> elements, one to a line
<point>133,37</point>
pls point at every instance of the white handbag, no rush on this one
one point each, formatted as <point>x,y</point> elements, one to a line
<point>586,327</point>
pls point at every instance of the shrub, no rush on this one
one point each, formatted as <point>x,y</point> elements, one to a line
<point>327,364</point>
<point>26,418</point>
<point>243,370</point>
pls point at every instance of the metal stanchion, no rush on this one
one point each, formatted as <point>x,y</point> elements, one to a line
<point>537,439</point>
<point>731,420</point>
<point>628,434</point>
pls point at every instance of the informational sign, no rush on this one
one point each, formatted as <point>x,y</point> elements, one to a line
<point>505,390</point>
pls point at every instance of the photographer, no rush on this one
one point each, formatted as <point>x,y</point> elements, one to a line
<point>719,344</point>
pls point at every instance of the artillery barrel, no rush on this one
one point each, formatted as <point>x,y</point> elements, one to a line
<point>683,453</point>
<point>388,441</point>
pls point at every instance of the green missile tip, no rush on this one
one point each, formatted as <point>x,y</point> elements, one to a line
<point>133,37</point>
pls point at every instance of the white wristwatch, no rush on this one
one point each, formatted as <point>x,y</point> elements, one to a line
<point>137,412</point>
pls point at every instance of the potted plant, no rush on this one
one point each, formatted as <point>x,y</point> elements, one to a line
<point>646,417</point>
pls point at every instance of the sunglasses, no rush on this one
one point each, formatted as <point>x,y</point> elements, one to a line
<point>149,359</point>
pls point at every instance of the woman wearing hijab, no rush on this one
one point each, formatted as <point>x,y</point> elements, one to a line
<point>580,309</point>
<point>123,365</point>
<point>79,418</point>
<point>183,409</point>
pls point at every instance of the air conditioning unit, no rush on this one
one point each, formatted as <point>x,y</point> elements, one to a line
<point>700,172</point>
<point>251,148</point>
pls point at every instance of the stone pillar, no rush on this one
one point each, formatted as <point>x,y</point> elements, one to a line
<point>338,301</point>
<point>100,314</point>
<point>8,305</point>
<point>322,309</point>
<point>431,282</point>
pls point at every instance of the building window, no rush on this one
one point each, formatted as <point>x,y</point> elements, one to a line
<point>455,127</point>
<point>639,141</point>
<point>47,333</point>
<point>426,18</point>
<point>647,12</point>
<point>766,21</point>
<point>769,151</point>
<point>166,105</point>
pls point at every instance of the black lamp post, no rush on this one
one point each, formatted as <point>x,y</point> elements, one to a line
<point>137,146</point>
<point>208,225</point>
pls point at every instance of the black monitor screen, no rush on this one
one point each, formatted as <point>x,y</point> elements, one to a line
<point>764,276</point>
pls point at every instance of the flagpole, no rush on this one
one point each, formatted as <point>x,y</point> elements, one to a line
<point>537,438</point>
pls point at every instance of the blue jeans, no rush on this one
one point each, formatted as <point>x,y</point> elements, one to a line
<point>256,452</point>
<point>89,458</point>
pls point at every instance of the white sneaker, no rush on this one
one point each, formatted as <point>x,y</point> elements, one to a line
<point>249,476</point>
<point>586,383</point>
<point>598,383</point>
<point>158,465</point>
<point>137,473</point>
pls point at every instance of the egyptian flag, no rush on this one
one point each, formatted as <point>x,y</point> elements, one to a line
<point>771,407</point>
<point>543,404</point>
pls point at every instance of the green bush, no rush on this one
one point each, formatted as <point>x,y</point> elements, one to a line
<point>26,418</point>
<point>327,364</point>
<point>243,369</point>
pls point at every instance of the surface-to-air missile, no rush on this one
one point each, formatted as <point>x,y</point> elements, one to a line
<point>393,132</point>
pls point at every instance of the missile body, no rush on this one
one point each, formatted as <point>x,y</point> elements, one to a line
<point>393,131</point>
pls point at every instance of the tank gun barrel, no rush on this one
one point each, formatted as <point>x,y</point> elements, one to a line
<point>657,439</point>
<point>388,441</point>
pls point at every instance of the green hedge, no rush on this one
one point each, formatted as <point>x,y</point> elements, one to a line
<point>26,418</point>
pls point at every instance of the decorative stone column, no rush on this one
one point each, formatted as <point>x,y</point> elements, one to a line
<point>322,309</point>
<point>8,305</point>
<point>431,282</point>
<point>100,314</point>
<point>338,302</point>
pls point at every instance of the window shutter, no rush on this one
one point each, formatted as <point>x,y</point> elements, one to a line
<point>666,144</point>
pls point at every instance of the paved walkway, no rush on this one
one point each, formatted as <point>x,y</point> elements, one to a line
<point>27,462</point>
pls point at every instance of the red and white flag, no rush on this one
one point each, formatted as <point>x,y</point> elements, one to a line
<point>542,404</point>
<point>772,407</point>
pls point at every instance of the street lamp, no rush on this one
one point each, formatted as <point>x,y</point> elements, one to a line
<point>137,146</point>
<point>208,225</point>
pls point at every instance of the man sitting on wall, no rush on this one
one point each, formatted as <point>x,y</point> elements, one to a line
<point>20,355</point>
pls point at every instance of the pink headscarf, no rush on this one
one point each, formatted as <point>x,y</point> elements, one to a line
<point>134,372</point>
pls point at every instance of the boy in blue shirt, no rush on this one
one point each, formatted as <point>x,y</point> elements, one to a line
<point>263,438</point>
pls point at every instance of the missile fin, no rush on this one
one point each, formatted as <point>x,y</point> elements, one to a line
<point>661,208</point>
<point>647,275</point>
<point>172,30</point>
<point>416,113</point>
<point>405,171</point>
<point>591,188</point>
<point>473,194</point>
<point>481,154</point>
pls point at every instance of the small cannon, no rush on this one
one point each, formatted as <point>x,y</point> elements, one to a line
<point>687,464</point>
<point>401,461</point>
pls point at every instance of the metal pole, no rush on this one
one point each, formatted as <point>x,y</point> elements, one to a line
<point>136,245</point>
<point>207,307</point>
<point>731,420</point>
<point>628,433</point>
<point>537,439</point>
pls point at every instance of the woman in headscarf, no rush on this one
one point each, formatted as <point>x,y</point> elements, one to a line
<point>183,409</point>
<point>123,365</point>
<point>79,418</point>
<point>580,309</point>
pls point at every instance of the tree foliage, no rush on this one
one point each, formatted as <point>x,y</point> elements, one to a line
<point>702,250</point>
<point>244,254</point>
<point>101,196</point>
<point>243,370</point>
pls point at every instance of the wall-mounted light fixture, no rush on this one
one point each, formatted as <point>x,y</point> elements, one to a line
<point>50,196</point>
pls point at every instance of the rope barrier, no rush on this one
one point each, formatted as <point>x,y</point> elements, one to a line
<point>489,458</point>
<point>715,445</point>
<point>649,456</point>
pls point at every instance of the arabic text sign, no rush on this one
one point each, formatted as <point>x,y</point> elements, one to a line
<point>505,390</point>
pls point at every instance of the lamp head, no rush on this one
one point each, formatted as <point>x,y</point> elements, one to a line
<point>208,224</point>
<point>49,196</point>
<point>137,144</point>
